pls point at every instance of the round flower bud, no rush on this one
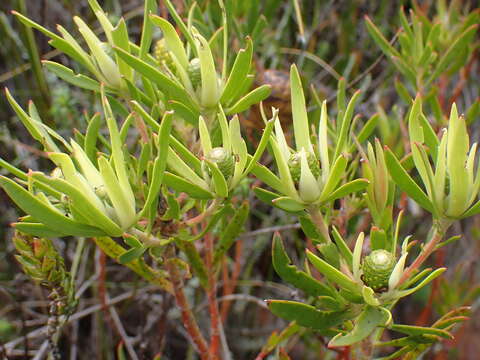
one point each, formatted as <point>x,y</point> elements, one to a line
<point>162,54</point>
<point>194,73</point>
<point>224,160</point>
<point>294,164</point>
<point>377,268</point>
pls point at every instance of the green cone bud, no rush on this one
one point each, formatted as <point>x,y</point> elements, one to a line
<point>194,73</point>
<point>162,54</point>
<point>224,160</point>
<point>377,268</point>
<point>294,164</point>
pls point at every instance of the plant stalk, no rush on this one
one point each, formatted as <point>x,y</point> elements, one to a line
<point>188,319</point>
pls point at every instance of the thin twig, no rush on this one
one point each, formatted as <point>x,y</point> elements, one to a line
<point>121,330</point>
<point>188,319</point>
<point>212,298</point>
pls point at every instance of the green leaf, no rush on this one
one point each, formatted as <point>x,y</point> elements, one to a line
<point>174,44</point>
<point>370,318</point>
<point>186,113</point>
<point>219,183</point>
<point>420,330</point>
<point>90,143</point>
<point>348,188</point>
<point>69,76</point>
<point>299,112</point>
<point>292,275</point>
<point>378,37</point>
<point>131,254</point>
<point>342,247</point>
<point>238,74</point>
<point>36,129</point>
<point>261,146</point>
<point>345,125</point>
<point>288,204</point>
<point>333,274</point>
<point>306,315</point>
<point>120,39</point>
<point>82,204</point>
<point>405,182</point>
<point>64,45</point>
<point>147,29</point>
<point>460,43</point>
<point>179,184</point>
<point>336,174</point>
<point>423,283</point>
<point>44,213</point>
<point>309,228</point>
<point>253,97</point>
<point>265,175</point>
<point>165,84</point>
<point>37,229</point>
<point>231,232</point>
<point>160,163</point>
<point>209,89</point>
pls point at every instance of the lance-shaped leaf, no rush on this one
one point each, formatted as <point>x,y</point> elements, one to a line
<point>219,183</point>
<point>253,97</point>
<point>204,136</point>
<point>307,315</point>
<point>131,255</point>
<point>323,142</point>
<point>299,112</point>
<point>265,175</point>
<point>69,76</point>
<point>120,39</point>
<point>308,188</point>
<point>231,231</point>
<point>82,204</point>
<point>209,89</point>
<point>333,274</point>
<point>342,247</point>
<point>119,198</point>
<point>174,44</point>
<point>292,275</point>
<point>160,163</point>
<point>356,258</point>
<point>405,182</point>
<point>461,42</point>
<point>44,213</point>
<point>365,324</point>
<point>347,189</point>
<point>239,72</point>
<point>34,127</point>
<point>239,149</point>
<point>345,125</point>
<point>288,204</point>
<point>383,43</point>
<point>67,46</point>
<point>165,84</point>
<point>457,149</point>
<point>336,174</point>
<point>36,229</point>
<point>423,283</point>
<point>181,185</point>
<point>107,66</point>
<point>420,330</point>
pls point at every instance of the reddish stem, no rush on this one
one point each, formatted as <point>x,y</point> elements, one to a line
<point>212,299</point>
<point>188,319</point>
